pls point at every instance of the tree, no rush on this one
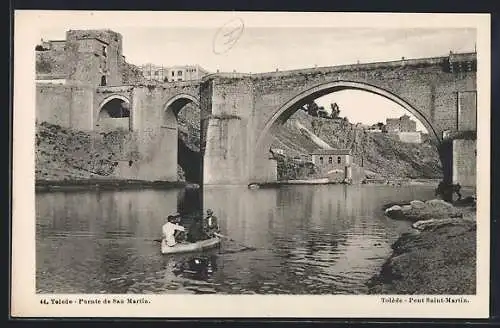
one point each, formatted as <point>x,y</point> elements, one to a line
<point>335,110</point>
<point>312,108</point>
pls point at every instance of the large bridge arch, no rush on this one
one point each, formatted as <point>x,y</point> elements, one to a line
<point>286,110</point>
<point>188,159</point>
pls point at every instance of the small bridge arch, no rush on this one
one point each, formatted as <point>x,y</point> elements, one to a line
<point>114,113</point>
<point>174,105</point>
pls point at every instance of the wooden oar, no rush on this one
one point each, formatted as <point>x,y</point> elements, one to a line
<point>231,239</point>
<point>225,237</point>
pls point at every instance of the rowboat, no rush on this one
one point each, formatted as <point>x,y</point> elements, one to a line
<point>189,247</point>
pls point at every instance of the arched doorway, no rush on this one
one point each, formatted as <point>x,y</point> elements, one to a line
<point>181,122</point>
<point>265,138</point>
<point>114,114</point>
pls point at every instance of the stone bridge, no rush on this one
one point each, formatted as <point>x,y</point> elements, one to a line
<point>152,122</point>
<point>241,112</point>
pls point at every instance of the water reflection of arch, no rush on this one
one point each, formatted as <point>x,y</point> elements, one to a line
<point>242,212</point>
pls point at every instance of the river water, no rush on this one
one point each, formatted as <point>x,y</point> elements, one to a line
<point>323,239</point>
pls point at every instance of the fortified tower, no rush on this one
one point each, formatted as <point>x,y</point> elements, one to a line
<point>94,57</point>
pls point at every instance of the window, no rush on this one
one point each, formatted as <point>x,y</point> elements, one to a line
<point>103,80</point>
<point>104,51</point>
<point>321,160</point>
<point>330,160</point>
<point>173,73</point>
<point>179,73</point>
<point>156,73</point>
<point>339,159</point>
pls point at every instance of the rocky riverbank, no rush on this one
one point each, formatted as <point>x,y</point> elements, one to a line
<point>438,257</point>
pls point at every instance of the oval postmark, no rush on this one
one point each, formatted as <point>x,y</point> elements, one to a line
<point>227,35</point>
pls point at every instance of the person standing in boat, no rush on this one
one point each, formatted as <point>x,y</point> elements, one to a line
<point>170,228</point>
<point>211,224</point>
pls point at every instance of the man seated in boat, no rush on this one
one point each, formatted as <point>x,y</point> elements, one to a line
<point>170,228</point>
<point>211,224</point>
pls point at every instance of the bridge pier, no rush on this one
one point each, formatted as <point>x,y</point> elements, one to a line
<point>458,156</point>
<point>227,130</point>
<point>226,152</point>
<point>462,151</point>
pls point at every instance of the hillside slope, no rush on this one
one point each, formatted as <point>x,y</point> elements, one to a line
<point>378,152</point>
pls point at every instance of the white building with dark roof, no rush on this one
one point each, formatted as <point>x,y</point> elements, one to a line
<point>336,164</point>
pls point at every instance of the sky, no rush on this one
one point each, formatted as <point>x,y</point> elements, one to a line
<point>265,49</point>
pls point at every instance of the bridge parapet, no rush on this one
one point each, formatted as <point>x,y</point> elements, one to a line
<point>115,89</point>
<point>450,63</point>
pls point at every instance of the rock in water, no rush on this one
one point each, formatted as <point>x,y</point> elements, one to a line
<point>406,208</point>
<point>395,212</point>
<point>438,203</point>
<point>417,204</point>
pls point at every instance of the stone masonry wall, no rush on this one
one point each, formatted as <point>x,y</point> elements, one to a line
<point>427,87</point>
<point>464,162</point>
<point>88,63</point>
<point>65,105</point>
<point>52,104</point>
<point>467,113</point>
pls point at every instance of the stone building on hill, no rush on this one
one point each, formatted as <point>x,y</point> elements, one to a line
<point>404,128</point>
<point>401,124</point>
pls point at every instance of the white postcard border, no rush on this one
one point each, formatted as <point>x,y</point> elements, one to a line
<point>24,300</point>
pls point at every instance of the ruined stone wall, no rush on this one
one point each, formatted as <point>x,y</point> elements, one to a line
<point>51,64</point>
